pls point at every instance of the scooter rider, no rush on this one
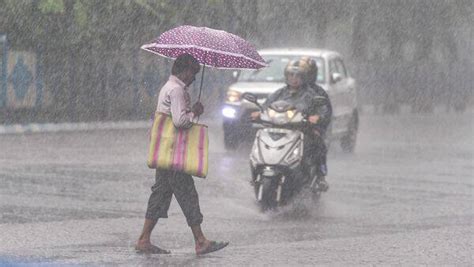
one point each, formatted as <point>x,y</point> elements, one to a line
<point>325,114</point>
<point>299,93</point>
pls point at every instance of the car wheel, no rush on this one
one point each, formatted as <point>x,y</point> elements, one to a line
<point>349,140</point>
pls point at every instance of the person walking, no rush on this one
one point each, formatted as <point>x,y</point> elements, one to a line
<point>174,100</point>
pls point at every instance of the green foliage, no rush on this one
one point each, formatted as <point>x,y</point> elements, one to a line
<point>15,7</point>
<point>80,14</point>
<point>215,2</point>
<point>51,6</point>
<point>95,34</point>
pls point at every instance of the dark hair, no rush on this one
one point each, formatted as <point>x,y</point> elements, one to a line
<point>183,62</point>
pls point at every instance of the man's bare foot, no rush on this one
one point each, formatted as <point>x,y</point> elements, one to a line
<point>148,248</point>
<point>209,246</point>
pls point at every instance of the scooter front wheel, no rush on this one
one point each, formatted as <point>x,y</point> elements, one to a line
<point>266,192</point>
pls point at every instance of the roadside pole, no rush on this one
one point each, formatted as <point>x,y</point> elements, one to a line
<point>3,67</point>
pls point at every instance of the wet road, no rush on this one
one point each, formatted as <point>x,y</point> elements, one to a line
<point>405,197</point>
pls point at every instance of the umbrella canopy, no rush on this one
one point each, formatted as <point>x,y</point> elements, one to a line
<point>210,47</point>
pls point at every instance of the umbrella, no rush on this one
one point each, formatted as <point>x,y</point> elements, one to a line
<point>213,48</point>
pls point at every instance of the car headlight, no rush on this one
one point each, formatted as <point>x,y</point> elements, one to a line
<point>233,96</point>
<point>229,112</point>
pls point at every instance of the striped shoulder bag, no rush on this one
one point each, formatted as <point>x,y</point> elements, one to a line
<point>184,150</point>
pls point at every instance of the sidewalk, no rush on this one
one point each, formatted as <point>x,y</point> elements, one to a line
<point>82,126</point>
<point>63,127</point>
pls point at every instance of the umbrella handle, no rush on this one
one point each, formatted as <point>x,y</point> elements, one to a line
<point>200,87</point>
<point>202,79</point>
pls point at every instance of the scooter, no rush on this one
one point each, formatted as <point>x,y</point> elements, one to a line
<point>279,170</point>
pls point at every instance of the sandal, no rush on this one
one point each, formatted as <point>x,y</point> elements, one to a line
<point>151,249</point>
<point>213,246</point>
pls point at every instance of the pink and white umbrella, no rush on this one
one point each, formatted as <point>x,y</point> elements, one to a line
<point>214,48</point>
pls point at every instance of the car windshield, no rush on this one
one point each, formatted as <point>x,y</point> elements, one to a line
<point>274,71</point>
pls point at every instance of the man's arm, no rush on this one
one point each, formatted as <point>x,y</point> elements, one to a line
<point>324,111</point>
<point>180,113</point>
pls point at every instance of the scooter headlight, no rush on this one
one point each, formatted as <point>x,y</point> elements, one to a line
<point>290,114</point>
<point>271,113</point>
<point>254,154</point>
<point>295,155</point>
<point>296,151</point>
<point>280,117</point>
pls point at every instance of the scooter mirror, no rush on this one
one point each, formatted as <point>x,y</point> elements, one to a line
<point>250,97</point>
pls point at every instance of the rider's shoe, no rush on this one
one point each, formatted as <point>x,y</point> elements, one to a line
<point>322,184</point>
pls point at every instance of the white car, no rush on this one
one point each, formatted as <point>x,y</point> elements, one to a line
<point>332,77</point>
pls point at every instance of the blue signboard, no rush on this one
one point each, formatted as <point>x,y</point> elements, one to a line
<point>20,79</point>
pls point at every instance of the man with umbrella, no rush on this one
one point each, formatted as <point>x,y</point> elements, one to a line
<point>174,100</point>
<point>190,46</point>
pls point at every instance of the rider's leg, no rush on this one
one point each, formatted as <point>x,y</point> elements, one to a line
<point>320,163</point>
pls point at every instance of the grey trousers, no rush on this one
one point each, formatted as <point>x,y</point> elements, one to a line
<point>181,185</point>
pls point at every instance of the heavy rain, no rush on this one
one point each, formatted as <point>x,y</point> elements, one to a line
<point>78,95</point>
